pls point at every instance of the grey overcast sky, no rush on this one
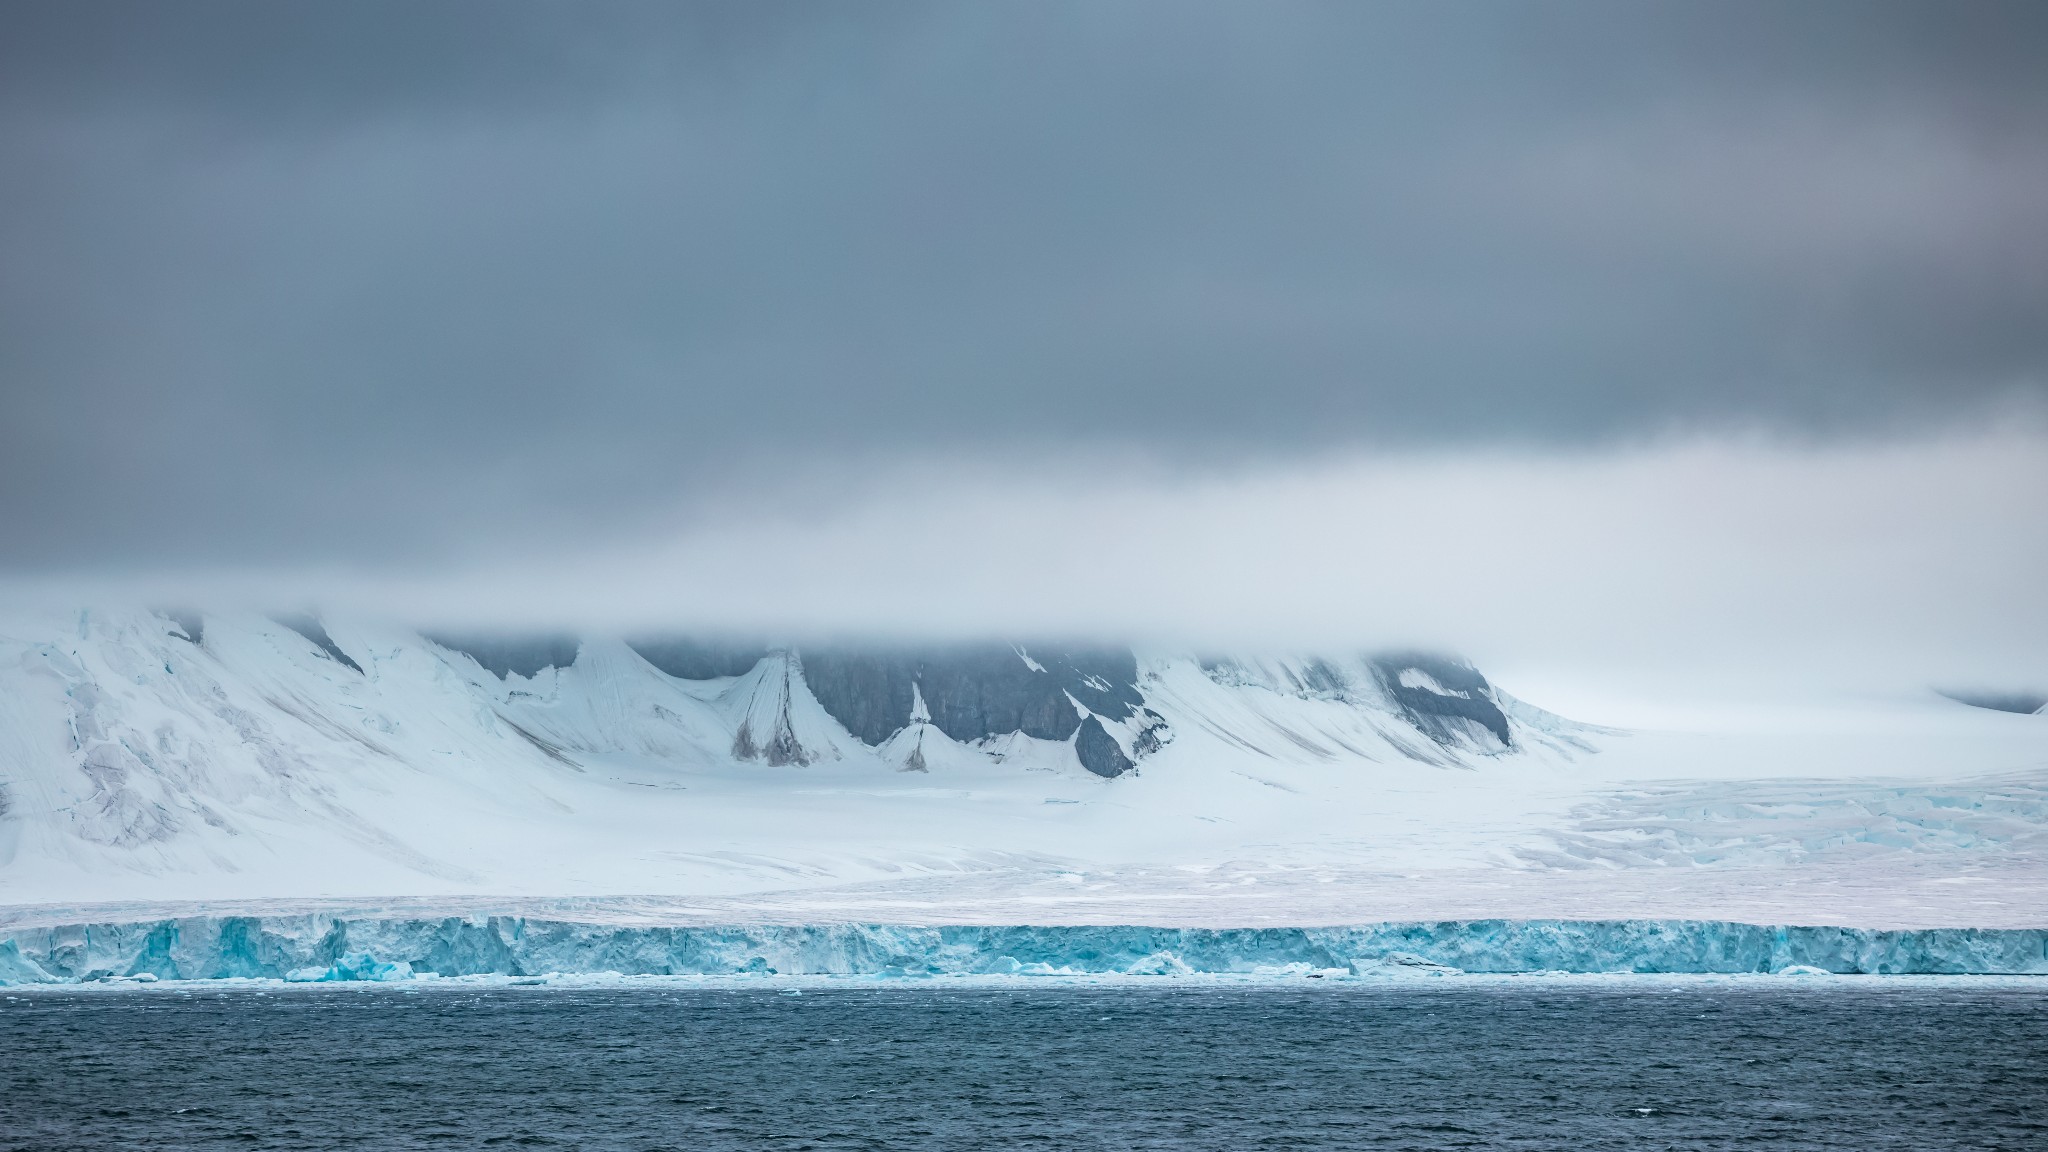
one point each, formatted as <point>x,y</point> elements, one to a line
<point>289,282</point>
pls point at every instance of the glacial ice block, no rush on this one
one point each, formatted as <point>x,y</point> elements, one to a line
<point>370,948</point>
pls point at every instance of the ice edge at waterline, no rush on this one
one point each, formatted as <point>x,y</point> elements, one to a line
<point>326,949</point>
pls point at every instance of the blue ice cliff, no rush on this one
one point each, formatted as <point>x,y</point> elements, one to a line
<point>324,948</point>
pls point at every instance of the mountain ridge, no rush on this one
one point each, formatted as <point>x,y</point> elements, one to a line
<point>212,742</point>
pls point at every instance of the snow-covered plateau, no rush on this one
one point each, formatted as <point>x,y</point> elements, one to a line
<point>185,794</point>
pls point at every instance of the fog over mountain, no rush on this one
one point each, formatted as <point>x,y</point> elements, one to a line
<point>1583,334</point>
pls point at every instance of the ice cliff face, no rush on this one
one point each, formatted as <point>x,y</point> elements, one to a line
<point>322,949</point>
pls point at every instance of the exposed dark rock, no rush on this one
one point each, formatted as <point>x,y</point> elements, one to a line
<point>191,625</point>
<point>784,748</point>
<point>972,691</point>
<point>2024,703</point>
<point>1147,741</point>
<point>1104,681</point>
<point>869,694</point>
<point>1098,750</point>
<point>502,655</point>
<point>780,746</point>
<point>686,658</point>
<point>1466,695</point>
<point>310,627</point>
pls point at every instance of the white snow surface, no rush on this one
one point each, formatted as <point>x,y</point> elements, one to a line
<point>142,775</point>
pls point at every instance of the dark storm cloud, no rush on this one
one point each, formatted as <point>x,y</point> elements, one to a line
<point>362,280</point>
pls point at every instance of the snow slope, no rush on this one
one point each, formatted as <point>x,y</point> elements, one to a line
<point>161,763</point>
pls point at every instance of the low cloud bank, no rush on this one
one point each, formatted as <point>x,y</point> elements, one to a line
<point>1737,567</point>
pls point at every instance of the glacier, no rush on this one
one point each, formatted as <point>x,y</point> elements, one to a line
<point>155,765</point>
<point>312,948</point>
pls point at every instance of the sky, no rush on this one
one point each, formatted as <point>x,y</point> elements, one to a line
<point>1648,327</point>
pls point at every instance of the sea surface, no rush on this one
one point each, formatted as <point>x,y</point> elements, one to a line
<point>1634,1064</point>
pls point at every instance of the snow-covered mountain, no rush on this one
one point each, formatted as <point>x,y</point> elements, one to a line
<point>175,756</point>
<point>130,699</point>
<point>144,733</point>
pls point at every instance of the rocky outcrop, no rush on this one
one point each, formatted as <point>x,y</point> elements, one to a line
<point>1442,697</point>
<point>1098,750</point>
<point>973,692</point>
<point>976,693</point>
<point>309,626</point>
<point>690,658</point>
<point>502,656</point>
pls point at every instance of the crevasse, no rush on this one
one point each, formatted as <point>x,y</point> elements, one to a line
<point>371,948</point>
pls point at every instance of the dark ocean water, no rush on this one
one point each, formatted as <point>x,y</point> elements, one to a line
<point>1547,1065</point>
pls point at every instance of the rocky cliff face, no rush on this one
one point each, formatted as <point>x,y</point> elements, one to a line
<point>1092,700</point>
<point>977,693</point>
<point>1445,699</point>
